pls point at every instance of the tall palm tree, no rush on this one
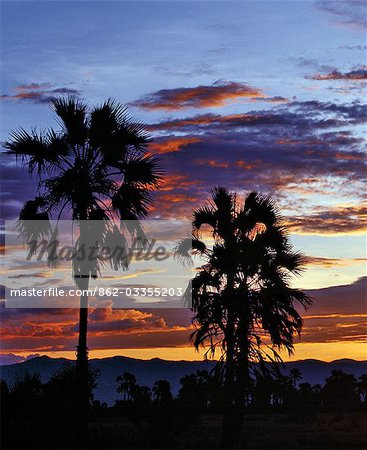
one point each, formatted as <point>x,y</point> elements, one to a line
<point>241,297</point>
<point>96,167</point>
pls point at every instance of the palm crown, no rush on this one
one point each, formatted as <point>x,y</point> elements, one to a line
<point>97,166</point>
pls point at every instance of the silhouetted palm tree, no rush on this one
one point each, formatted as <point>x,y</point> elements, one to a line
<point>142,395</point>
<point>340,391</point>
<point>25,394</point>
<point>199,390</point>
<point>126,385</point>
<point>295,375</point>
<point>96,167</point>
<point>162,392</point>
<point>242,292</point>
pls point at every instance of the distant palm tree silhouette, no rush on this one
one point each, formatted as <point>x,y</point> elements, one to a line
<point>96,167</point>
<point>162,392</point>
<point>295,375</point>
<point>126,385</point>
<point>242,292</point>
<point>341,391</point>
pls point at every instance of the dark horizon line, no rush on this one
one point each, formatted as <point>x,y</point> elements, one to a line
<point>181,360</point>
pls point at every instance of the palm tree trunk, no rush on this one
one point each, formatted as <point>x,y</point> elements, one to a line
<point>229,439</point>
<point>83,284</point>
<point>243,376</point>
<point>82,350</point>
<point>238,383</point>
<point>82,371</point>
<point>82,368</point>
<point>229,432</point>
<point>244,353</point>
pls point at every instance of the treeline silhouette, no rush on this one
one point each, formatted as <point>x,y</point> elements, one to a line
<point>37,414</point>
<point>204,391</point>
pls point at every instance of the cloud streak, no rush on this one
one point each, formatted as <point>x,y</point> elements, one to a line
<point>329,263</point>
<point>204,96</point>
<point>349,219</point>
<point>38,93</point>
<point>345,13</point>
<point>357,74</point>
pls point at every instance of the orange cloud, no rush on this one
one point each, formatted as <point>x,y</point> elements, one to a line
<point>332,262</point>
<point>177,198</point>
<point>59,327</point>
<point>212,163</point>
<point>38,92</point>
<point>188,122</point>
<point>218,94</point>
<point>173,182</point>
<point>350,156</point>
<point>174,144</point>
<point>353,75</point>
<point>297,142</point>
<point>244,165</point>
<point>231,120</point>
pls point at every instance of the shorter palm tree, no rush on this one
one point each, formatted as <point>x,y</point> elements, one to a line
<point>242,299</point>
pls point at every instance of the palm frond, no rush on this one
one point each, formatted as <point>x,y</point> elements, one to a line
<point>187,247</point>
<point>53,259</point>
<point>73,118</point>
<point>115,135</point>
<point>135,134</point>
<point>131,201</point>
<point>142,169</point>
<point>261,208</point>
<point>33,225</point>
<point>136,231</point>
<point>116,243</point>
<point>205,215</point>
<point>104,123</point>
<point>57,146</point>
<point>182,252</point>
<point>32,149</point>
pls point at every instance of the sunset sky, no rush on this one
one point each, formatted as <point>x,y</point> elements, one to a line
<point>251,95</point>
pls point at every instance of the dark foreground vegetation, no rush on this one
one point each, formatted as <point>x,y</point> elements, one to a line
<point>281,413</point>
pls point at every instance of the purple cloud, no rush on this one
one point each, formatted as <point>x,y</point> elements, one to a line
<point>38,93</point>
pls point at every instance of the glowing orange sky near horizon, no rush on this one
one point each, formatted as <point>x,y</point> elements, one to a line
<point>324,351</point>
